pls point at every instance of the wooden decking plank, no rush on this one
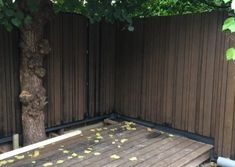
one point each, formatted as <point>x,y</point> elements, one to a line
<point>144,155</point>
<point>53,149</point>
<point>193,155</point>
<point>130,152</point>
<point>80,149</point>
<point>113,149</point>
<point>182,152</point>
<point>150,150</point>
<point>196,162</point>
<point>149,159</point>
<point>138,152</point>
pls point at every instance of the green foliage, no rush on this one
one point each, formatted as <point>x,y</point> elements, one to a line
<point>95,10</point>
<point>230,54</point>
<point>11,16</point>
<point>226,1</point>
<point>172,7</point>
<point>229,24</point>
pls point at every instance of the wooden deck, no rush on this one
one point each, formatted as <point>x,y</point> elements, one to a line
<point>125,144</point>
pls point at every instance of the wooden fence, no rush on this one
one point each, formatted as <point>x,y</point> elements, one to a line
<point>9,83</point>
<point>170,70</point>
<point>69,69</point>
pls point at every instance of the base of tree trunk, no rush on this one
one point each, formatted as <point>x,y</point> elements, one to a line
<point>33,128</point>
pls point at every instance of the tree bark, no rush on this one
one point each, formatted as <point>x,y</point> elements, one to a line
<point>33,95</point>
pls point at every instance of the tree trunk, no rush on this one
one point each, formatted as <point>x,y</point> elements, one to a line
<point>33,95</point>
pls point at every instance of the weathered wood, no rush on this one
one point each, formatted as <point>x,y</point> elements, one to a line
<point>189,86</point>
<point>155,151</point>
<point>38,145</point>
<point>159,73</point>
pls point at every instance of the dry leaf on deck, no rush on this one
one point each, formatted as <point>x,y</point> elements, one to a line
<point>36,153</point>
<point>48,164</point>
<point>124,140</point>
<point>66,151</point>
<point>114,156</point>
<point>96,153</point>
<point>87,151</point>
<point>133,159</point>
<point>10,160</point>
<point>74,154</point>
<point>19,156</point>
<point>59,161</point>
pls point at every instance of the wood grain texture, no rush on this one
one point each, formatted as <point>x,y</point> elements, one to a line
<point>186,82</point>
<point>162,150</point>
<point>170,70</point>
<point>9,83</point>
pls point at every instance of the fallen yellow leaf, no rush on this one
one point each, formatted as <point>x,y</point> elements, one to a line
<point>96,141</point>
<point>96,153</point>
<point>36,153</point>
<point>69,157</point>
<point>129,128</point>
<point>33,162</point>
<point>124,140</point>
<point>92,130</point>
<point>133,159</point>
<point>114,156</point>
<point>19,156</point>
<point>99,129</point>
<point>87,151</point>
<point>10,160</point>
<point>99,137</point>
<point>171,135</point>
<point>114,129</point>
<point>3,162</point>
<point>59,161</point>
<point>149,129</point>
<point>113,142</point>
<point>74,154</point>
<point>80,156</point>
<point>89,148</point>
<point>66,151</point>
<point>48,164</point>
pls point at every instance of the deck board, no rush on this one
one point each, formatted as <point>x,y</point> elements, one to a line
<point>150,147</point>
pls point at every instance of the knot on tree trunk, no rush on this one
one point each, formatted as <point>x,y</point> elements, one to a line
<point>26,97</point>
<point>35,61</point>
<point>44,47</point>
<point>40,72</point>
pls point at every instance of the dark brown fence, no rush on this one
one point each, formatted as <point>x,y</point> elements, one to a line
<point>69,71</point>
<point>9,83</point>
<point>170,70</point>
<point>66,66</point>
